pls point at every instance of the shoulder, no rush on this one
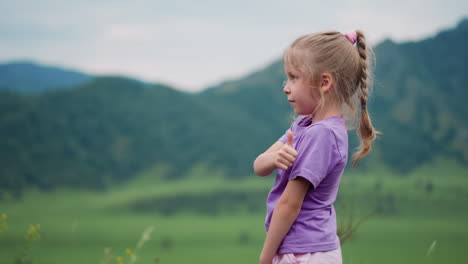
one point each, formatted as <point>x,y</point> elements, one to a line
<point>316,135</point>
<point>333,127</point>
<point>322,136</point>
<point>319,130</point>
<point>329,136</point>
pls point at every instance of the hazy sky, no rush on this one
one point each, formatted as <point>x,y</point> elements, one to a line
<point>193,44</point>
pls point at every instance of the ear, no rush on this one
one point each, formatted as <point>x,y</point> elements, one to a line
<point>326,82</point>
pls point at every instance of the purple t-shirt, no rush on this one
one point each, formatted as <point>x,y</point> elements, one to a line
<point>322,150</point>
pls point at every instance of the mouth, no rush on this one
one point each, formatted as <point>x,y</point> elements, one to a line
<point>291,101</point>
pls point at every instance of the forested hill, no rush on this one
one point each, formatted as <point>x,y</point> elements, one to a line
<point>110,128</point>
<point>107,129</point>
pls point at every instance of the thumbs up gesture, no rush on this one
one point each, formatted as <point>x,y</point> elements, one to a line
<point>286,155</point>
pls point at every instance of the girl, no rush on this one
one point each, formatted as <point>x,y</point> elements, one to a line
<point>326,74</point>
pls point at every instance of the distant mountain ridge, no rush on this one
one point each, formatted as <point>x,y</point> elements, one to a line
<point>108,129</point>
<point>31,77</point>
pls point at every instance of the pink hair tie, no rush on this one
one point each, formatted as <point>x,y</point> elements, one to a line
<point>351,36</point>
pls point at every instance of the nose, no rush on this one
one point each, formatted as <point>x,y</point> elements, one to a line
<point>286,89</point>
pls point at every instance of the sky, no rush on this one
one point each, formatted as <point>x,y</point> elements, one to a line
<point>192,45</point>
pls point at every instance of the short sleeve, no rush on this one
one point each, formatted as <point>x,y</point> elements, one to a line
<point>283,138</point>
<point>314,155</point>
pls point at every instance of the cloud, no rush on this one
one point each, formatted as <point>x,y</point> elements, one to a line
<point>192,44</point>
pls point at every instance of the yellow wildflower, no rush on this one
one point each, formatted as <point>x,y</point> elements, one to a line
<point>33,232</point>
<point>4,217</point>
<point>129,252</point>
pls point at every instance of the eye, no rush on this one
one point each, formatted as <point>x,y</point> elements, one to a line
<point>291,76</point>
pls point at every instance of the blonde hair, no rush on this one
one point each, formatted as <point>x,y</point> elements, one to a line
<point>350,67</point>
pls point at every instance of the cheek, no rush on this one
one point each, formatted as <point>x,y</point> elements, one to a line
<point>306,105</point>
<point>315,93</point>
<point>310,100</point>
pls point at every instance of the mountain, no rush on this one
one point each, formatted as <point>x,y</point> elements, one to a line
<point>420,93</point>
<point>30,77</point>
<point>107,129</point>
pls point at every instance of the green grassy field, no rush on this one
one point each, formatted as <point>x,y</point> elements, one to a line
<point>415,211</point>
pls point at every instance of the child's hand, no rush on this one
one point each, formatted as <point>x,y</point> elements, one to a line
<point>286,154</point>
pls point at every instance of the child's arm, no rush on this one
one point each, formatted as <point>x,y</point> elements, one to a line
<point>264,164</point>
<point>278,156</point>
<point>284,215</point>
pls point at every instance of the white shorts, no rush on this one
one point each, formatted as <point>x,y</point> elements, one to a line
<point>327,257</point>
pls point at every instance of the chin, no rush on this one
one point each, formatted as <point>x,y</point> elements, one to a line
<point>302,112</point>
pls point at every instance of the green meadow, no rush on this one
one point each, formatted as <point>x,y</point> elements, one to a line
<point>206,218</point>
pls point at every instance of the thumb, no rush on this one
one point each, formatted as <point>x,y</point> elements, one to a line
<point>290,136</point>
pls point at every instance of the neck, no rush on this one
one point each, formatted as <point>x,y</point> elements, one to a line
<point>326,112</point>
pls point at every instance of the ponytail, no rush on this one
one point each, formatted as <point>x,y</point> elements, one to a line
<point>366,131</point>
